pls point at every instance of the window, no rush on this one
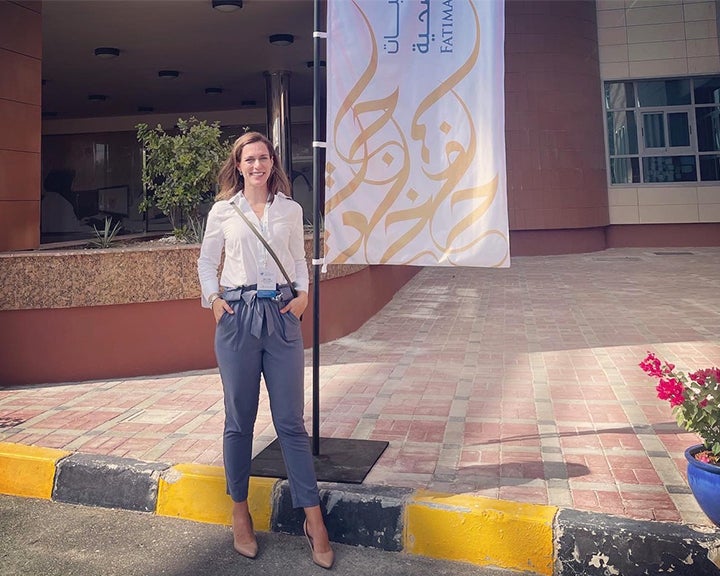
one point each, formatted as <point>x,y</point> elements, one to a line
<point>663,130</point>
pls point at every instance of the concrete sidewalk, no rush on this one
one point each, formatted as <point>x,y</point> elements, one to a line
<point>516,386</point>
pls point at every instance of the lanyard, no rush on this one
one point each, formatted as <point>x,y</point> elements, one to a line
<point>266,281</point>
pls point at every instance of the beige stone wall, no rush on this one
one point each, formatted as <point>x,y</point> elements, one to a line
<point>655,39</point>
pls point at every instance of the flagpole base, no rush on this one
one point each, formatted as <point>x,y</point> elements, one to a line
<point>340,460</point>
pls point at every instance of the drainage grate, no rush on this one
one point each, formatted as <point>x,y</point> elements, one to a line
<point>673,253</point>
<point>615,258</point>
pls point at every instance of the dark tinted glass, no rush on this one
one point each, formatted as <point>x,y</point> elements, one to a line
<point>622,133</point>
<point>664,93</point>
<point>707,121</point>
<point>624,170</point>
<point>707,90</point>
<point>710,168</point>
<point>669,169</point>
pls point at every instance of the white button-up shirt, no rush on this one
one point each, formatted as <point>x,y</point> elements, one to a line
<point>226,229</point>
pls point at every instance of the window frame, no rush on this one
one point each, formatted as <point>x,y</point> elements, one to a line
<point>644,151</point>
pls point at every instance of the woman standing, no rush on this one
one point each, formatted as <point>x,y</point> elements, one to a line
<point>258,328</point>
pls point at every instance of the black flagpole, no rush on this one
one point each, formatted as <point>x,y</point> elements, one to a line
<point>317,216</point>
<point>342,460</point>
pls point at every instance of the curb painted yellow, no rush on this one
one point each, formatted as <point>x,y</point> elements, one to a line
<point>197,492</point>
<point>28,470</point>
<point>481,531</point>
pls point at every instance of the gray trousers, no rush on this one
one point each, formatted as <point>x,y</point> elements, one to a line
<point>257,340</point>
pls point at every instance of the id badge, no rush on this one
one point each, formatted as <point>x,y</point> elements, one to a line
<point>266,285</point>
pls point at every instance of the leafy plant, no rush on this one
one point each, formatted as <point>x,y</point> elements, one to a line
<point>695,401</point>
<point>105,238</point>
<point>180,169</point>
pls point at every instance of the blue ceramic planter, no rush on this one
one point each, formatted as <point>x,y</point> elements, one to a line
<point>704,480</point>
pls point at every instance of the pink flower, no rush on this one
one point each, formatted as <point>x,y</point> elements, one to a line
<point>671,390</point>
<point>651,365</point>
<point>694,401</point>
<point>703,457</point>
<point>702,376</point>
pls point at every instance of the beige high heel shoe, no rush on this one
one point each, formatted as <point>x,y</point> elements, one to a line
<point>322,559</point>
<point>249,549</point>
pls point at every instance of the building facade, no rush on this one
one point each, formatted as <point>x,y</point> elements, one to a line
<point>612,127</point>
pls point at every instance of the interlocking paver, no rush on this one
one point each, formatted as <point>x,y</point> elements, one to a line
<point>517,383</point>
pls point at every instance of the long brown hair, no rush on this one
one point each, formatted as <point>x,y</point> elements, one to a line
<point>230,180</point>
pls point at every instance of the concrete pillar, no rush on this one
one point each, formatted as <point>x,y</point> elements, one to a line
<point>277,88</point>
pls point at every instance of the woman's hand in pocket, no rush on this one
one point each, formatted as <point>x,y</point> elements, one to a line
<point>220,309</point>
<point>297,305</point>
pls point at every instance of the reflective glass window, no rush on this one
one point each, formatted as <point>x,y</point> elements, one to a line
<point>654,93</point>
<point>707,90</point>
<point>622,133</point>
<point>654,130</point>
<point>624,170</point>
<point>619,95</point>
<point>678,129</point>
<point>709,167</point>
<point>707,120</point>
<point>669,169</point>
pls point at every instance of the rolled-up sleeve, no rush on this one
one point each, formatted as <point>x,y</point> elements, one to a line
<point>210,254</point>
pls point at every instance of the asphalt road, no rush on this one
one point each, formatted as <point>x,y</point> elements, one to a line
<point>44,538</point>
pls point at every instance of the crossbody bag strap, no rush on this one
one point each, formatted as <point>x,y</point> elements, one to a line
<point>267,246</point>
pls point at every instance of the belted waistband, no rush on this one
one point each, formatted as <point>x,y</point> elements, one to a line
<point>248,294</point>
<point>232,294</point>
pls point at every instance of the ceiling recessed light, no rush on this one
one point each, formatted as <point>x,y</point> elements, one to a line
<point>168,73</point>
<point>227,5</point>
<point>145,109</point>
<point>281,39</point>
<point>97,97</point>
<point>107,52</point>
<point>213,90</point>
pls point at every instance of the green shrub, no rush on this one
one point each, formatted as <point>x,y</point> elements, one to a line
<point>180,170</point>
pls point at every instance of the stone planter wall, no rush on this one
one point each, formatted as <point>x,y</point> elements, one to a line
<point>72,315</point>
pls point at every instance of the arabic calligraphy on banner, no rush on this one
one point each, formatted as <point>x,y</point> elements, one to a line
<point>415,167</point>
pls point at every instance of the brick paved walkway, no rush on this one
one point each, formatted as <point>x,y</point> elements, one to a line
<point>519,384</point>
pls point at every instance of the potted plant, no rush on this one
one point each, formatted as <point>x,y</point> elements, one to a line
<point>695,402</point>
<point>179,171</point>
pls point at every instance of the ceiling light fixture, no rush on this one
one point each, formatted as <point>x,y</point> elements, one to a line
<point>281,39</point>
<point>227,5</point>
<point>213,90</point>
<point>106,52</point>
<point>168,73</point>
<point>97,97</point>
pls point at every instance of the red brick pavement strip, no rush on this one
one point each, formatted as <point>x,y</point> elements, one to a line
<point>520,384</point>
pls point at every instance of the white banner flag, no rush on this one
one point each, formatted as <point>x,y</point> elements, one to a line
<point>415,170</point>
